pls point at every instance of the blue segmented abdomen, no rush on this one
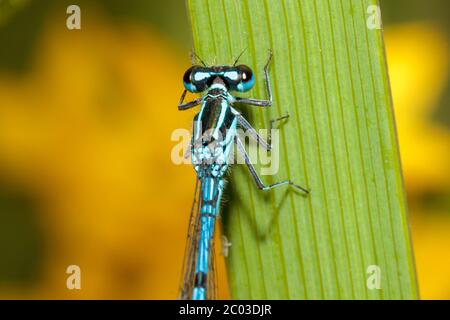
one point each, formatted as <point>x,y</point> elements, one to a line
<point>214,134</point>
<point>211,194</point>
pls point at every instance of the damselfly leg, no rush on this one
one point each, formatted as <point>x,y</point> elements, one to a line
<point>188,105</point>
<point>266,145</point>
<point>259,183</point>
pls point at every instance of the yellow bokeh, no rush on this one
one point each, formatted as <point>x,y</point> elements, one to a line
<point>88,133</point>
<point>419,58</point>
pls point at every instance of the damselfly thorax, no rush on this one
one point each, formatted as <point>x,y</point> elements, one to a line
<point>214,132</point>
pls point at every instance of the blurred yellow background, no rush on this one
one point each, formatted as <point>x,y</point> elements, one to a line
<point>85,124</point>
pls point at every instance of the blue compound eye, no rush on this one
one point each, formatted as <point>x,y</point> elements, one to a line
<point>195,79</point>
<point>187,80</point>
<point>246,78</point>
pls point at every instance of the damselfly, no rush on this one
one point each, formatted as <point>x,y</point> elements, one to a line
<point>214,136</point>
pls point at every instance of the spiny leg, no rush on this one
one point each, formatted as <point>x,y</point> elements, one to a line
<point>269,136</point>
<point>257,179</point>
<point>267,145</point>
<point>258,102</point>
<point>187,105</point>
<point>253,133</point>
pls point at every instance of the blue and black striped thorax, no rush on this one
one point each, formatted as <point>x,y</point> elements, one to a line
<point>214,132</point>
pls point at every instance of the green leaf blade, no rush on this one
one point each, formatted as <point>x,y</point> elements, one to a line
<point>329,73</point>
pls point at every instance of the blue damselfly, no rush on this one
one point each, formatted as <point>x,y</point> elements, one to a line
<point>214,136</point>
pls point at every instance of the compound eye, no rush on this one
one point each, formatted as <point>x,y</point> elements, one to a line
<point>187,79</point>
<point>247,78</point>
<point>196,79</point>
<point>201,79</point>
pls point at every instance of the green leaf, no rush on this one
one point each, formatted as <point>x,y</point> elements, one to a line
<point>329,74</point>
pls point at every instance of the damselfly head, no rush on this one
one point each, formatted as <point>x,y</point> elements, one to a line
<point>236,78</point>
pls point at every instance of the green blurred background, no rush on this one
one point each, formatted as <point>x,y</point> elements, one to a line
<point>85,123</point>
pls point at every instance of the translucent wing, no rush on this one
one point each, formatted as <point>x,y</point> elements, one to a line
<point>190,258</point>
<point>190,254</point>
<point>211,289</point>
